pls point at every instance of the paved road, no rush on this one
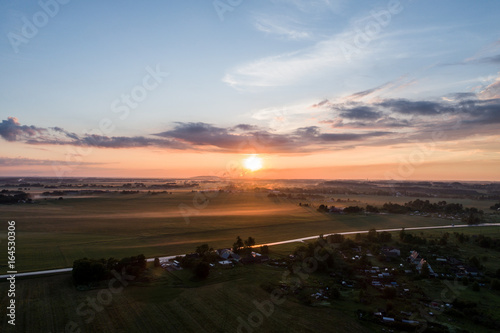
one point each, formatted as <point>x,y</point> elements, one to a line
<point>64,270</point>
<point>379,230</point>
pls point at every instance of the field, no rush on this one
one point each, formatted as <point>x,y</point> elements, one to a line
<point>53,233</point>
<point>172,303</point>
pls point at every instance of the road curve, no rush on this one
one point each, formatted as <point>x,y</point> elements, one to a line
<point>65,270</point>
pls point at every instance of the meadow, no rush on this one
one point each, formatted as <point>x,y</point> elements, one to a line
<point>53,233</point>
<point>173,301</point>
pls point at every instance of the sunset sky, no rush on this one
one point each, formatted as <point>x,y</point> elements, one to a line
<point>406,90</point>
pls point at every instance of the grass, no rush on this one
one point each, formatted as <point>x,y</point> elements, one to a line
<point>213,305</point>
<point>175,302</point>
<point>53,233</point>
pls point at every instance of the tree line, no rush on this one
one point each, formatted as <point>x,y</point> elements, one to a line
<point>469,215</point>
<point>88,271</point>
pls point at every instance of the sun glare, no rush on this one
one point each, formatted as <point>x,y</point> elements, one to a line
<point>253,163</point>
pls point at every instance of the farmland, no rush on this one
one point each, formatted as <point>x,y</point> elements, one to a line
<point>174,301</point>
<point>53,233</point>
<point>70,224</point>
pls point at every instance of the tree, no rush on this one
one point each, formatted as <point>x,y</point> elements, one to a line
<point>389,292</point>
<point>238,244</point>
<point>202,249</point>
<point>352,210</point>
<point>141,261</point>
<point>202,270</point>
<point>495,284</point>
<point>465,281</point>
<point>372,235</point>
<point>157,262</point>
<point>371,209</point>
<point>250,242</point>
<point>474,261</point>
<point>323,208</point>
<point>471,218</point>
<point>384,237</point>
<point>264,249</point>
<point>425,271</point>
<point>402,234</point>
<point>333,293</point>
<point>335,238</point>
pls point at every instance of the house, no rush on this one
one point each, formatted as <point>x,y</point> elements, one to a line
<point>421,263</point>
<point>228,254</point>
<point>414,257</point>
<point>391,252</point>
<point>254,259</point>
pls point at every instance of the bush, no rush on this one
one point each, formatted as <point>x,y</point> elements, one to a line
<point>495,284</point>
<point>389,292</point>
<point>202,270</point>
<point>352,210</point>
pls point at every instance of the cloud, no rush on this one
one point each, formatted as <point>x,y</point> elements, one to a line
<point>244,127</point>
<point>20,161</point>
<point>304,139</point>
<point>323,102</point>
<point>364,93</point>
<point>281,27</point>
<point>361,112</point>
<point>489,60</point>
<point>335,126</point>
<point>314,133</point>
<point>12,130</point>
<point>484,112</point>
<point>492,91</point>
<point>405,106</point>
<point>285,69</point>
<point>311,6</point>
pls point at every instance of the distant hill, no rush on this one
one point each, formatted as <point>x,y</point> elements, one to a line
<point>210,178</point>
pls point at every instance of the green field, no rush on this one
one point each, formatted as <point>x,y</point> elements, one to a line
<point>172,303</point>
<point>53,233</point>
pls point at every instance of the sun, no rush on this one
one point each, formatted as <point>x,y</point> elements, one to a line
<point>253,163</point>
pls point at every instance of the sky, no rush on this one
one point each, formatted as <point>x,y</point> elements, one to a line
<point>330,89</point>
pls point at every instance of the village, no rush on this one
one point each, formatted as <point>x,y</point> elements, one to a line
<point>384,281</point>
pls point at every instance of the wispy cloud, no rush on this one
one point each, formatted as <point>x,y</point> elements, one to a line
<point>491,91</point>
<point>286,28</point>
<point>333,52</point>
<point>309,6</point>
<point>286,68</point>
